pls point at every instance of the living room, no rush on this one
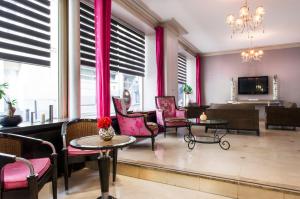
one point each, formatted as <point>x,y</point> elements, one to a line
<point>149,99</point>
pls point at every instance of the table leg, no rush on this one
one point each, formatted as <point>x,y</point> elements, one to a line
<point>104,170</point>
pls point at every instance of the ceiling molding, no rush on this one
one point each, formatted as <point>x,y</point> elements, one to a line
<point>265,48</point>
<point>141,11</point>
<point>144,13</point>
<point>174,26</point>
<point>187,46</point>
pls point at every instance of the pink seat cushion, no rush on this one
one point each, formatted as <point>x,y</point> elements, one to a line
<point>74,152</point>
<point>173,121</point>
<point>15,174</point>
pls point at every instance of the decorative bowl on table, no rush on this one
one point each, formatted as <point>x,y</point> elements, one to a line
<point>106,134</point>
<point>106,131</point>
<point>10,121</point>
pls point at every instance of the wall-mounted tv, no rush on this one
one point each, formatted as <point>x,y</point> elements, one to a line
<point>253,85</point>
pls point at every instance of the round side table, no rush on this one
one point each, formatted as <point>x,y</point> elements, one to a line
<point>96,143</point>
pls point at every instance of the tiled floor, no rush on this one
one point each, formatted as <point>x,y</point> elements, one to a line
<point>272,159</point>
<point>85,184</point>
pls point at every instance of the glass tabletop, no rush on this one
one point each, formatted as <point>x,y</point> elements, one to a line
<point>94,142</point>
<point>197,121</point>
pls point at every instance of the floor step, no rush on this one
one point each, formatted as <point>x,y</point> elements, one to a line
<point>233,188</point>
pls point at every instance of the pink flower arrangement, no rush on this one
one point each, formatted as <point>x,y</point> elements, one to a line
<point>104,122</point>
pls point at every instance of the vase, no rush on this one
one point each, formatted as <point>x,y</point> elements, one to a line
<point>106,134</point>
<point>186,100</point>
<point>203,117</point>
<point>10,121</point>
<point>275,88</point>
<point>233,92</point>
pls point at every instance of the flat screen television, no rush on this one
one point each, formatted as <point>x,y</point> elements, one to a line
<point>253,85</point>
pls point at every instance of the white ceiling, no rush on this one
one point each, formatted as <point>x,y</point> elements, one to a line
<point>205,22</point>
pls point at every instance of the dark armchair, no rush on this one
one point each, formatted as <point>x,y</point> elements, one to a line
<point>24,177</point>
<point>75,129</point>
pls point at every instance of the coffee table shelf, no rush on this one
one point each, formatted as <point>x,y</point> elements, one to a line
<point>216,138</point>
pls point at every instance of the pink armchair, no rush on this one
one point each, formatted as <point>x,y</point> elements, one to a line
<point>24,178</point>
<point>168,115</point>
<point>134,124</point>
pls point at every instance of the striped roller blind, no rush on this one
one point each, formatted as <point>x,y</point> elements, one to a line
<point>127,50</point>
<point>181,69</point>
<point>25,31</point>
<point>87,35</point>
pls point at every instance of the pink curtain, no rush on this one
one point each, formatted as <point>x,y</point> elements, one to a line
<point>198,79</point>
<point>160,60</point>
<point>102,44</point>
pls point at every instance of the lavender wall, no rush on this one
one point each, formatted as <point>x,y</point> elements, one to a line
<point>218,70</point>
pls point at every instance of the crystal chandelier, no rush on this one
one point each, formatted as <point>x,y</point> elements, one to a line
<point>246,22</point>
<point>252,54</point>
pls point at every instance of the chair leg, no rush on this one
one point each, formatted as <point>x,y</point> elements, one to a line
<point>258,133</point>
<point>206,129</point>
<point>54,178</point>
<point>66,172</point>
<point>165,132</point>
<point>33,187</point>
<point>54,187</point>
<point>115,161</point>
<point>70,171</point>
<point>176,130</point>
<point>153,142</point>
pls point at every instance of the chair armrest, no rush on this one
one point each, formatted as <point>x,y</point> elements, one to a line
<point>134,125</point>
<point>7,158</point>
<point>137,114</point>
<point>160,117</point>
<point>181,113</point>
<point>29,139</point>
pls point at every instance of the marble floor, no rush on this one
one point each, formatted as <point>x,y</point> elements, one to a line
<point>271,159</point>
<point>85,184</point>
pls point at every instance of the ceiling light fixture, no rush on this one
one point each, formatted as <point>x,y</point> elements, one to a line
<point>251,54</point>
<point>246,22</point>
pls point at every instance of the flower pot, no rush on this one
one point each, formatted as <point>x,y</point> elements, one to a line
<point>106,134</point>
<point>10,121</point>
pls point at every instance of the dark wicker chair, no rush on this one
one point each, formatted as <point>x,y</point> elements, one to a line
<point>75,129</point>
<point>24,178</point>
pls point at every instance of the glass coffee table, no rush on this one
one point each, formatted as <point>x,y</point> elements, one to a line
<point>220,131</point>
<point>94,142</point>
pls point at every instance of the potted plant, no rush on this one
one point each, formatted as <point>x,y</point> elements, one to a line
<point>106,131</point>
<point>187,91</point>
<point>10,119</point>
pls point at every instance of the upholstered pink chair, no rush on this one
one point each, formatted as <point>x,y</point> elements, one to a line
<point>134,124</point>
<point>20,177</point>
<point>168,115</point>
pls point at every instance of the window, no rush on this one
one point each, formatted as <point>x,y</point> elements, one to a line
<point>28,58</point>
<point>87,59</point>
<point>181,77</point>
<point>127,61</point>
<point>88,91</point>
<point>120,81</point>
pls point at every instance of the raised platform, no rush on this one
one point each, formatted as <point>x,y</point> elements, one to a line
<point>254,167</point>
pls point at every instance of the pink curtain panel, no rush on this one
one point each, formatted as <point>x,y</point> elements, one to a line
<point>160,61</point>
<point>198,79</point>
<point>102,44</point>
